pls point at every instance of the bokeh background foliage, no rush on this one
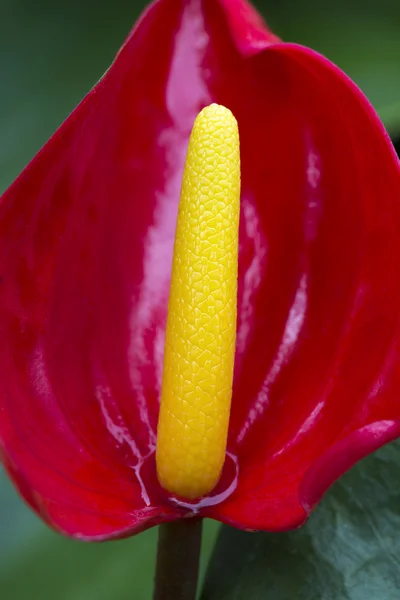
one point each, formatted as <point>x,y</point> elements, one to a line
<point>51,53</point>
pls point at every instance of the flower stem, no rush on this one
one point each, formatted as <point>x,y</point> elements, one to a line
<point>178,558</point>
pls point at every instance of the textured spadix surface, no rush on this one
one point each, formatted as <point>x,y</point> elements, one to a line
<point>86,240</point>
<point>201,323</point>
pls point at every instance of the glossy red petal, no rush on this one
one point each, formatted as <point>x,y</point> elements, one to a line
<point>317,375</point>
<point>86,237</point>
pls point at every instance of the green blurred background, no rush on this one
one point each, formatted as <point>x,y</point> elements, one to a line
<point>51,53</point>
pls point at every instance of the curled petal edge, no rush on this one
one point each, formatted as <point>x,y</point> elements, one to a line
<point>341,456</point>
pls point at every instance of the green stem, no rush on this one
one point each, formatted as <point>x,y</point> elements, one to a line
<point>178,558</point>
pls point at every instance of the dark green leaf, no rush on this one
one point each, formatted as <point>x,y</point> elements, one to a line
<point>349,549</point>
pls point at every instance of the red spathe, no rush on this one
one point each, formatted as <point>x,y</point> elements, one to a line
<point>86,239</point>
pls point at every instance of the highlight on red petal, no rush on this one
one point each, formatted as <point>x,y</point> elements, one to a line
<point>247,28</point>
<point>320,287</point>
<point>86,240</point>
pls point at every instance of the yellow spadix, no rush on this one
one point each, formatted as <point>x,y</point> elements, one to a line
<point>201,323</point>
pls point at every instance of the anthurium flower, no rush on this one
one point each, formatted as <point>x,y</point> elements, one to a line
<point>86,245</point>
